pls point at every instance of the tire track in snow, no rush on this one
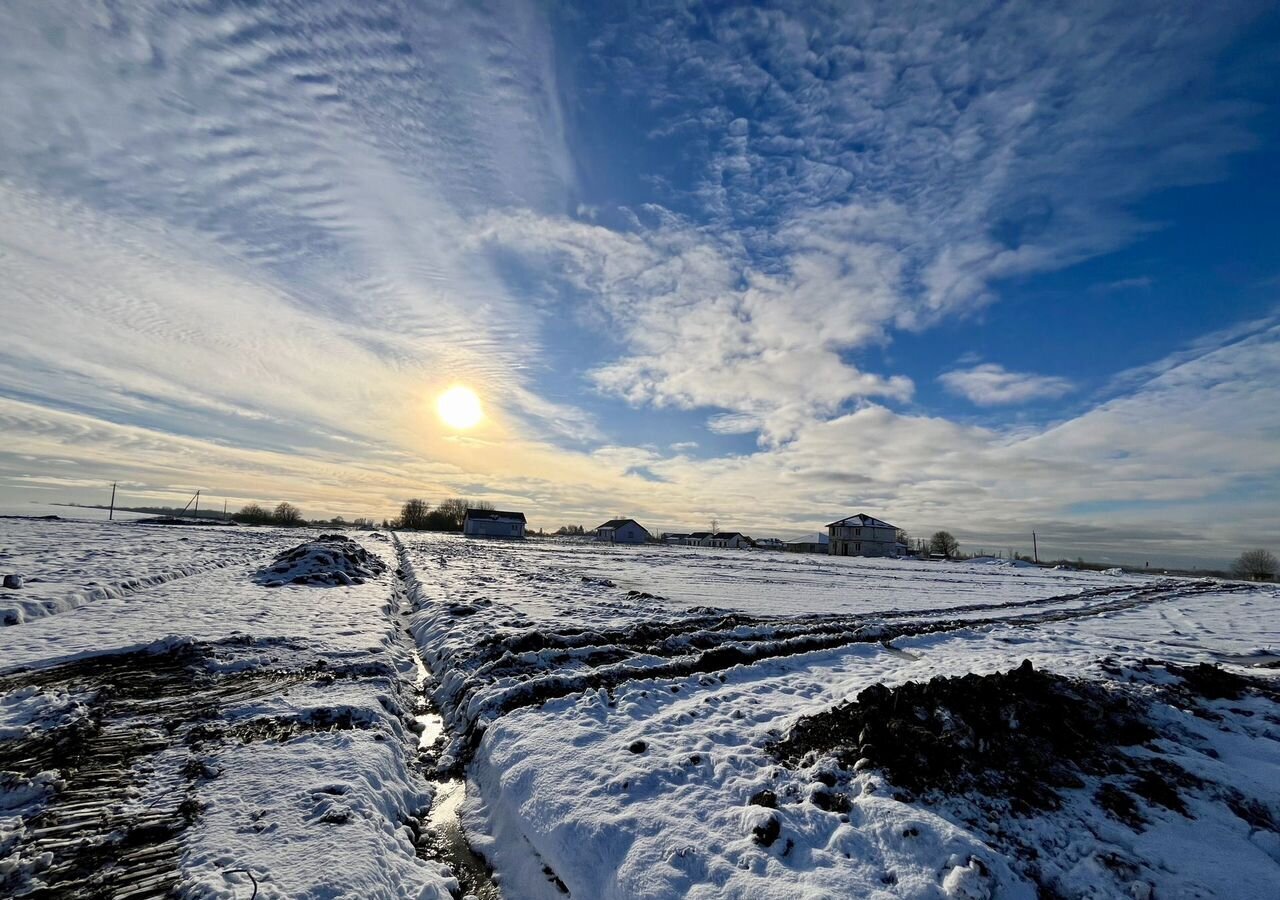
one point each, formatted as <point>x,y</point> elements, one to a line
<point>109,821</point>
<point>470,695</point>
<point>29,610</point>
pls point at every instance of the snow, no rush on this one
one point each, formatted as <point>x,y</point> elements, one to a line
<point>304,762</point>
<point>604,715</point>
<point>542,655</point>
<point>67,564</point>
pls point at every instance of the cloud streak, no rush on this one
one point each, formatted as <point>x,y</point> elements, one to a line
<point>244,246</point>
<point>990,384</point>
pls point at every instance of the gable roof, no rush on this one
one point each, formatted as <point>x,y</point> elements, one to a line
<point>698,534</point>
<point>494,515</point>
<point>725,535</point>
<point>618,523</point>
<point>864,520</point>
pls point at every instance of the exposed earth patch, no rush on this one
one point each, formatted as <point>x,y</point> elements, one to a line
<point>329,560</point>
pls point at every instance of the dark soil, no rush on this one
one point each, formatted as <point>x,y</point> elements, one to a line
<point>112,821</point>
<point>1024,735</point>
<point>330,560</point>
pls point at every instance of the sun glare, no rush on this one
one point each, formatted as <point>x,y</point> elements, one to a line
<point>459,408</point>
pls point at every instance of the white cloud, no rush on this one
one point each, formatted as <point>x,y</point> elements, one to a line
<point>990,384</point>
<point>244,246</point>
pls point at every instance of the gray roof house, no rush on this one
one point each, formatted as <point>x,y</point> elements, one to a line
<point>493,523</point>
<point>816,542</point>
<point>862,535</point>
<point>622,531</point>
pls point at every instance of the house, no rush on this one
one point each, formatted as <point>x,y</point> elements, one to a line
<point>731,540</point>
<point>862,535</point>
<point>675,538</point>
<point>622,531</point>
<point>698,539</point>
<point>770,544</point>
<point>493,523</point>
<point>815,542</point>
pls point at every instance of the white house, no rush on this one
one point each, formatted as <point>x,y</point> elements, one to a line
<point>732,540</point>
<point>817,542</point>
<point>862,535</point>
<point>493,523</point>
<point>622,531</point>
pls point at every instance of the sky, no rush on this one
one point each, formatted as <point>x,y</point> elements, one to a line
<point>987,267</point>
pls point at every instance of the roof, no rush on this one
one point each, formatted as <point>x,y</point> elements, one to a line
<point>699,534</point>
<point>728,534</point>
<point>816,537</point>
<point>864,520</point>
<point>494,514</point>
<point>618,523</point>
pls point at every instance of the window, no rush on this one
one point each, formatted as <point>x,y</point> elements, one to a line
<point>857,532</point>
<point>857,548</point>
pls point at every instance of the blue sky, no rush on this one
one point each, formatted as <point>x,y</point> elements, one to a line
<point>987,267</point>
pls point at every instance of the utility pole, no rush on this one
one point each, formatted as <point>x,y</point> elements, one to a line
<point>112,513</point>
<point>1035,548</point>
<point>196,514</point>
<point>224,509</point>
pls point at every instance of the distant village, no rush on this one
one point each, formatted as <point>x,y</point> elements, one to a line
<point>855,535</point>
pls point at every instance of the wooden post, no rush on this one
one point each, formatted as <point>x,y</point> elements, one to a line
<point>196,514</point>
<point>1035,548</point>
<point>112,514</point>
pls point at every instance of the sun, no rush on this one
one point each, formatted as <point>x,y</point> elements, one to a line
<point>459,408</point>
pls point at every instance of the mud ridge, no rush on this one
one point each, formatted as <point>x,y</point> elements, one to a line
<point>110,805</point>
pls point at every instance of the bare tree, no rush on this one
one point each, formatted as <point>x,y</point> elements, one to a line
<point>943,543</point>
<point>252,514</point>
<point>286,514</point>
<point>414,515</point>
<point>1255,565</point>
<point>715,525</point>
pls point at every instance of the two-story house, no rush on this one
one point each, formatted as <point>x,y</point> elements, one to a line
<point>862,535</point>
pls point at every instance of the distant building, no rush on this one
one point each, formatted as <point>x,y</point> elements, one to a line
<point>698,539</point>
<point>817,542</point>
<point>862,535</point>
<point>673,537</point>
<point>622,531</point>
<point>493,523</point>
<point>770,544</point>
<point>731,540</point>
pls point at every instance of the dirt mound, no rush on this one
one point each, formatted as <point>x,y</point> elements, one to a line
<point>1022,735</point>
<point>329,560</point>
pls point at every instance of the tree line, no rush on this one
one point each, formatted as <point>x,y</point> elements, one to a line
<point>285,514</point>
<point>448,515</point>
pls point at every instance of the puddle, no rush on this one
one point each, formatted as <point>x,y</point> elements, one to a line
<point>447,842</point>
<point>444,839</point>
<point>430,722</point>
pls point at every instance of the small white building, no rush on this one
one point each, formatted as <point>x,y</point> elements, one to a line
<point>817,542</point>
<point>731,540</point>
<point>862,535</point>
<point>770,544</point>
<point>622,531</point>
<point>493,523</point>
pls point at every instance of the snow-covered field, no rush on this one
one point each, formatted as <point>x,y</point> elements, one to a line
<point>66,564</point>
<point>628,721</point>
<point>617,706</point>
<point>208,732</point>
